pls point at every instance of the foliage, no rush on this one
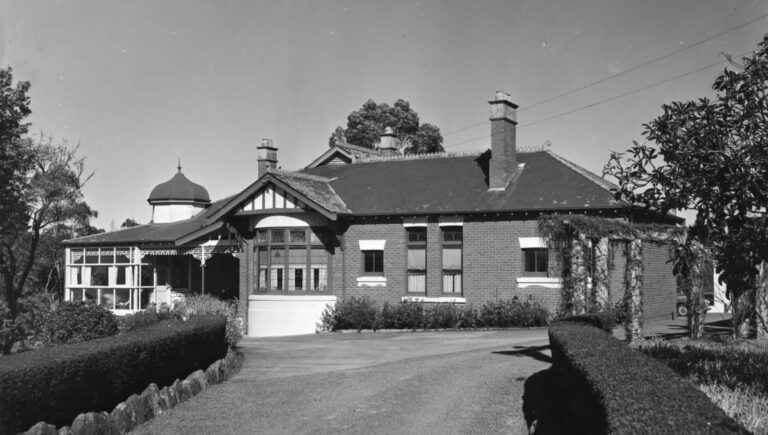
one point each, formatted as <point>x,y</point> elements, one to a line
<point>743,404</point>
<point>73,322</point>
<point>204,305</point>
<point>505,313</point>
<point>605,320</point>
<point>606,387</point>
<point>128,223</point>
<point>57,383</point>
<point>150,316</point>
<point>366,125</point>
<point>710,155</point>
<point>361,313</point>
<point>731,364</point>
<point>734,374</point>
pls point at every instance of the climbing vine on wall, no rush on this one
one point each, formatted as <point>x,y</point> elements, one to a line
<point>584,247</point>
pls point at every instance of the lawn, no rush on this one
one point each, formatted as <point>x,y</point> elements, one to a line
<point>733,373</point>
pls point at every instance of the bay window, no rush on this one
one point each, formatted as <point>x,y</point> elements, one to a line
<point>292,260</point>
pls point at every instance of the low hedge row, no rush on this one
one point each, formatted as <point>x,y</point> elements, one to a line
<point>55,384</point>
<point>362,313</point>
<point>607,387</point>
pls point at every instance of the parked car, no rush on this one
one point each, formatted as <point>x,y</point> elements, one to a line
<point>682,308</point>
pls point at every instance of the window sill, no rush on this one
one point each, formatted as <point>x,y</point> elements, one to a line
<point>372,281</point>
<point>538,281</point>
<point>444,299</point>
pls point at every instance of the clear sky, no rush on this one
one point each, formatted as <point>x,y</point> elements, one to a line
<point>139,84</point>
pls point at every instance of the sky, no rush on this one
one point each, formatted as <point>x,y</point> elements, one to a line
<point>140,84</point>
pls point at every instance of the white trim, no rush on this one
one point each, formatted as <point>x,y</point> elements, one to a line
<point>281,221</point>
<point>321,298</point>
<point>451,221</point>
<point>416,221</point>
<point>532,242</point>
<point>442,300</point>
<point>538,281</point>
<point>372,245</point>
<point>372,281</point>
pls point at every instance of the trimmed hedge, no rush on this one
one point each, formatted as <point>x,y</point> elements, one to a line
<point>604,320</point>
<point>607,387</point>
<point>56,384</point>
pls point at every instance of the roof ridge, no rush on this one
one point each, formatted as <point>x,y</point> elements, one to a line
<point>437,155</point>
<point>299,174</point>
<point>586,173</point>
<point>359,148</point>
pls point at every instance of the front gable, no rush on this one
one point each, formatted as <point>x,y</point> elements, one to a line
<point>271,197</point>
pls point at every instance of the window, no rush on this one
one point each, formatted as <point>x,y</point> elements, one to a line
<point>452,259</point>
<point>373,262</point>
<point>417,260</point>
<point>289,260</point>
<point>535,260</point>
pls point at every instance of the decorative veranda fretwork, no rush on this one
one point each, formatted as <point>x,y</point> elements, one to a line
<point>584,248</point>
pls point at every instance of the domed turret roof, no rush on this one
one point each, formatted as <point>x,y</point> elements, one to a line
<point>180,189</point>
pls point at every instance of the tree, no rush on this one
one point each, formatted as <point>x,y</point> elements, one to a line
<point>53,208</point>
<point>128,223</point>
<point>711,155</point>
<point>366,125</point>
<point>14,154</point>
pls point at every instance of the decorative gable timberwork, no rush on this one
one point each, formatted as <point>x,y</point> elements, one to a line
<point>271,197</point>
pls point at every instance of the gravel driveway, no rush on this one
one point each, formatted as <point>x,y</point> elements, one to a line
<point>422,382</point>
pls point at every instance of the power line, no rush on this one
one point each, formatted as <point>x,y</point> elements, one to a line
<point>634,68</point>
<point>597,103</point>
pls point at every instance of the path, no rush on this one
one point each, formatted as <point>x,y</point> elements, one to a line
<point>423,382</point>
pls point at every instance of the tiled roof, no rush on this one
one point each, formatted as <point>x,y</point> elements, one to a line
<point>149,233</point>
<point>458,184</point>
<point>317,189</point>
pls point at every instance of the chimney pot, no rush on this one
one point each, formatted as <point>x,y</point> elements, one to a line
<point>388,144</point>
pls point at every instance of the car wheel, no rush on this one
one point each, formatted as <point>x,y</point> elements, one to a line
<point>682,310</point>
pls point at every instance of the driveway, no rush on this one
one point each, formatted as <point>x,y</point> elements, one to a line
<point>390,382</point>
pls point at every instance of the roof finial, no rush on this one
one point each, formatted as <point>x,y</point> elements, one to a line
<point>179,167</point>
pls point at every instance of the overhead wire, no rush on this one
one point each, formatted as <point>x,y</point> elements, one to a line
<point>634,68</point>
<point>606,100</point>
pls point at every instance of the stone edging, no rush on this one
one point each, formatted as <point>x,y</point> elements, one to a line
<point>140,408</point>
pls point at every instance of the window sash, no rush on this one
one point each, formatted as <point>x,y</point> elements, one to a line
<point>373,262</point>
<point>535,261</point>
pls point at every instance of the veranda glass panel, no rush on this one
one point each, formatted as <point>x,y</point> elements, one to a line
<point>91,294</point>
<point>76,294</point>
<point>107,256</point>
<point>123,256</point>
<point>147,275</point>
<point>122,299</point>
<point>77,256</point>
<point>107,299</point>
<point>91,256</point>
<point>99,275</point>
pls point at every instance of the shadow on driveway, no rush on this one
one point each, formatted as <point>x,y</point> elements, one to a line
<point>534,352</point>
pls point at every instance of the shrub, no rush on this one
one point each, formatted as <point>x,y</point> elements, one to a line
<point>142,319</point>
<point>441,316</point>
<point>605,320</point>
<point>607,387</point>
<point>506,313</point>
<point>55,384</point>
<point>350,313</point>
<point>210,305</point>
<point>409,315</point>
<point>468,317</point>
<point>73,322</point>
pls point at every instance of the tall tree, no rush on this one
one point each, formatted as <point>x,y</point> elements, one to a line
<point>366,125</point>
<point>711,155</point>
<point>52,198</point>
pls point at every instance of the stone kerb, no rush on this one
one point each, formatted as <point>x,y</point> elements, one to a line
<point>139,408</point>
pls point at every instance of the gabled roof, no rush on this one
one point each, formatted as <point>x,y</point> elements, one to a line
<point>348,152</point>
<point>459,183</point>
<point>156,233</point>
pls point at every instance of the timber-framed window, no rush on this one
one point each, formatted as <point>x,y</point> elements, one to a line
<point>452,259</point>
<point>535,261</point>
<point>289,260</point>
<point>417,259</point>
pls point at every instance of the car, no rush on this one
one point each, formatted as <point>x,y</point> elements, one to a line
<point>682,307</point>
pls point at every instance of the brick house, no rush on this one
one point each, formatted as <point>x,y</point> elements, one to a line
<point>458,228</point>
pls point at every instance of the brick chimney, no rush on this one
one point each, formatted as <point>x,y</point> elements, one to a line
<point>388,143</point>
<point>266,153</point>
<point>503,164</point>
